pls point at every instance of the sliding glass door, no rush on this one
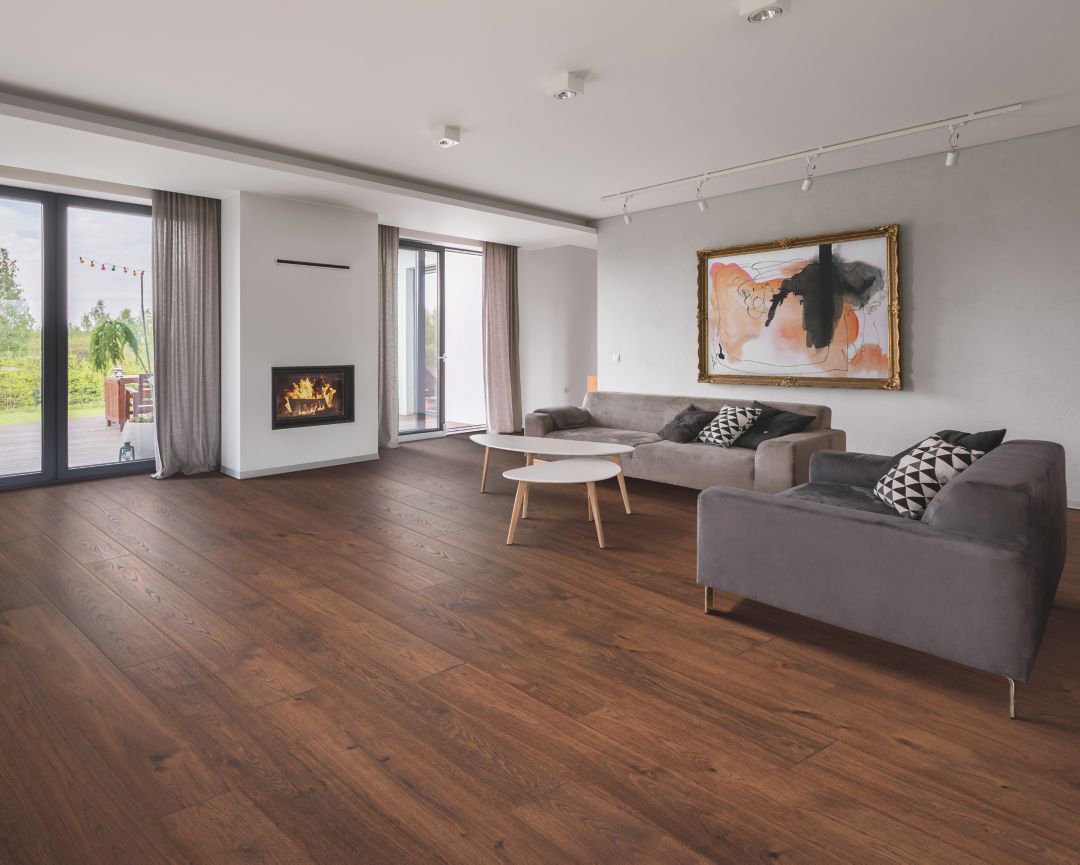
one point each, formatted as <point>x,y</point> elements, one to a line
<point>440,352</point>
<point>22,347</point>
<point>76,377</point>
<point>463,369</point>
<point>419,339</point>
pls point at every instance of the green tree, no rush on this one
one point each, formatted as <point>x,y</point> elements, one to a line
<point>95,316</point>
<point>16,320</point>
<point>108,340</point>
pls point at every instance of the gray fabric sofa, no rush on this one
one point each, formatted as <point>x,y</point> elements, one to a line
<point>972,581</point>
<point>634,418</point>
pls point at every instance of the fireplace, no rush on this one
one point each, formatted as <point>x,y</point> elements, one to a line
<point>310,395</point>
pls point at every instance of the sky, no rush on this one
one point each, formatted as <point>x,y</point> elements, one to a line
<point>116,238</point>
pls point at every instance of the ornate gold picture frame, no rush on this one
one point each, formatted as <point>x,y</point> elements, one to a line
<point>818,311</point>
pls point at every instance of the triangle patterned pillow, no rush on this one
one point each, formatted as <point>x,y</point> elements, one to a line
<point>914,482</point>
<point>730,423</point>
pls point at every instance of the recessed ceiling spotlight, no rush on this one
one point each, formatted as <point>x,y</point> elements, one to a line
<point>447,136</point>
<point>756,12</point>
<point>566,85</point>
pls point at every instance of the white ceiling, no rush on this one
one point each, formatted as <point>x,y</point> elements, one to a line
<point>673,88</point>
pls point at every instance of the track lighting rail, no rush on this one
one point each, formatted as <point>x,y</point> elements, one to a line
<point>701,178</point>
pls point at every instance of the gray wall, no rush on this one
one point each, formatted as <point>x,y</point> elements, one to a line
<point>557,316</point>
<point>989,286</point>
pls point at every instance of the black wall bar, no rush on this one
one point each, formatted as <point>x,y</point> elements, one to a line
<point>312,263</point>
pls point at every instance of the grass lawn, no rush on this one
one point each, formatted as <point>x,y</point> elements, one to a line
<point>33,415</point>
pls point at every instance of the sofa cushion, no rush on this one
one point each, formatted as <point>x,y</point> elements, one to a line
<point>686,425</point>
<point>840,496</point>
<point>912,484</point>
<point>730,422</point>
<point>772,423</point>
<point>566,416</point>
<point>630,437</point>
<point>695,465</point>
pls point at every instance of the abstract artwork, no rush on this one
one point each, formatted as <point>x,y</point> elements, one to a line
<point>812,311</point>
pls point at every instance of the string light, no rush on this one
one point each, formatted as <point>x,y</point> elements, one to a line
<point>93,264</point>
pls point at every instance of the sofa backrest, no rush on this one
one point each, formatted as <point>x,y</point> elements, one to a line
<point>649,412</point>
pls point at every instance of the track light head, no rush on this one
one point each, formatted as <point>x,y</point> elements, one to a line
<point>626,210</point>
<point>953,155</point>
<point>811,167</point>
<point>702,204</point>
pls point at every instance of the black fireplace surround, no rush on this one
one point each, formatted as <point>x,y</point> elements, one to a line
<point>311,395</point>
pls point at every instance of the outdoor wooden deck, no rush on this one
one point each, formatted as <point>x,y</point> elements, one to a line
<point>90,442</point>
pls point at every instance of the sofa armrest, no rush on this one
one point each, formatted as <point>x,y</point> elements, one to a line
<point>538,424</point>
<point>893,578</point>
<point>784,462</point>
<point>846,467</point>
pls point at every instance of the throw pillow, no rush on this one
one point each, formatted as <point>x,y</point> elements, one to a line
<point>980,441</point>
<point>771,424</point>
<point>686,425</point>
<point>730,422</point>
<point>914,482</point>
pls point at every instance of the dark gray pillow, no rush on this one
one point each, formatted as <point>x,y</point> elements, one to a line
<point>687,425</point>
<point>771,424</point>
<point>984,441</point>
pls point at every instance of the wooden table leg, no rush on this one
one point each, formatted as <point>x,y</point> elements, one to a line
<point>525,504</point>
<point>483,475</point>
<point>622,483</point>
<point>519,496</point>
<point>596,513</point>
<point>588,502</point>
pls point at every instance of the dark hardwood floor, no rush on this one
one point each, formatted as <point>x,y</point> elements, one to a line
<point>349,666</point>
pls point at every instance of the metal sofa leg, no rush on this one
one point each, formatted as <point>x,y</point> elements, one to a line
<point>1012,698</point>
<point>709,610</point>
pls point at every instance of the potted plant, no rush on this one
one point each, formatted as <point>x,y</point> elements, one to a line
<point>141,431</point>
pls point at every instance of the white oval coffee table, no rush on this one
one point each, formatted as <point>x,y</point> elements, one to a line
<point>577,471</point>
<point>543,446</point>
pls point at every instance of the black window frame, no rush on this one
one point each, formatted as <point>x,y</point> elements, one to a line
<point>54,336</point>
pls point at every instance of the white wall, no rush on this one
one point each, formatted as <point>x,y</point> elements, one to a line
<point>557,321</point>
<point>989,285</point>
<point>281,315</point>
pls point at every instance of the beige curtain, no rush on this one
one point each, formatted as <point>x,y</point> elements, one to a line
<point>502,381</point>
<point>187,332</point>
<point>388,324</point>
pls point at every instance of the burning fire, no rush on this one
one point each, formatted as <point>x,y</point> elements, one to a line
<point>309,400</point>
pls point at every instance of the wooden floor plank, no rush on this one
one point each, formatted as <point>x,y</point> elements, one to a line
<point>256,674</point>
<point>91,817</point>
<point>124,637</point>
<point>143,748</point>
<point>330,821</point>
<point>349,664</point>
<point>230,829</point>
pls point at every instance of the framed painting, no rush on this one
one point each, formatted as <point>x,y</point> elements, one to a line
<point>809,311</point>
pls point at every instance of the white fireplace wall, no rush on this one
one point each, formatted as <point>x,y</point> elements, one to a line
<point>287,315</point>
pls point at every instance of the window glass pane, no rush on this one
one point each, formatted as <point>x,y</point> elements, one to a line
<point>21,306</point>
<point>464,368</point>
<point>110,401</point>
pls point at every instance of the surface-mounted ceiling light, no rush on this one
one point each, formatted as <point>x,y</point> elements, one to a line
<point>447,136</point>
<point>811,167</point>
<point>626,210</point>
<point>566,85</point>
<point>756,12</point>
<point>953,155</point>
<point>702,204</point>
